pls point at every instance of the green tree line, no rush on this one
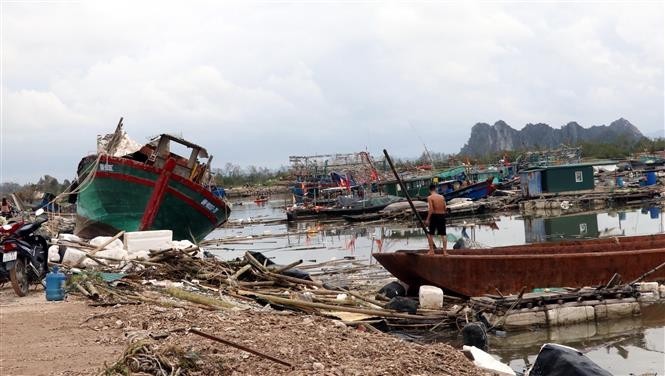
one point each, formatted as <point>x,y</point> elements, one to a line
<point>27,192</point>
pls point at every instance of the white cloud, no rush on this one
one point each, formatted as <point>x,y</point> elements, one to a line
<point>255,82</point>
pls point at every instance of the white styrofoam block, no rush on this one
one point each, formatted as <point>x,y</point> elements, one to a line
<point>661,288</point>
<point>648,297</point>
<point>522,319</point>
<point>69,238</point>
<point>616,310</point>
<point>487,362</point>
<point>148,240</point>
<point>430,297</point>
<point>72,256</point>
<point>115,254</point>
<point>648,287</point>
<point>89,264</point>
<point>98,241</point>
<point>182,244</point>
<point>53,255</point>
<point>570,315</point>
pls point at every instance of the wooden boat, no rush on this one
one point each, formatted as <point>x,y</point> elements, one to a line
<point>369,205</point>
<point>474,272</point>
<point>473,191</point>
<point>459,207</point>
<point>260,200</point>
<point>394,210</point>
<point>148,189</point>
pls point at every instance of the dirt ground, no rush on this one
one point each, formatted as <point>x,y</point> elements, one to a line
<point>38,337</point>
<point>72,338</point>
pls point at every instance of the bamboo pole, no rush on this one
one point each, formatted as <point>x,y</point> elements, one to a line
<point>255,262</point>
<point>294,279</point>
<point>82,290</point>
<point>408,198</point>
<point>93,291</point>
<point>289,266</point>
<point>640,278</point>
<point>239,346</point>
<point>329,307</point>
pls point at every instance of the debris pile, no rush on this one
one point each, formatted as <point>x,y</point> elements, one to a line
<point>166,301</point>
<point>178,278</point>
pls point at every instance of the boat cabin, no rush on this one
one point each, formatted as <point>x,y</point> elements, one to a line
<point>166,146</point>
<point>416,187</point>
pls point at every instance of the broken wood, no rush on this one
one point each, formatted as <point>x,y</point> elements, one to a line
<point>94,294</point>
<point>287,267</point>
<point>81,290</point>
<point>330,307</point>
<point>255,262</point>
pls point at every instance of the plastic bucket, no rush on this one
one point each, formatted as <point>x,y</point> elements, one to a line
<point>654,212</point>
<point>620,181</point>
<point>651,177</point>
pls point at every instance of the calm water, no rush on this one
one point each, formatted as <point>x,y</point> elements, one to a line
<point>635,345</point>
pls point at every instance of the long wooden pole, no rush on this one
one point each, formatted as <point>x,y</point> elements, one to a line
<point>239,346</point>
<point>640,278</point>
<point>408,198</point>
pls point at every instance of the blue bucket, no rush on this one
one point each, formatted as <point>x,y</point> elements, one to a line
<point>654,212</point>
<point>651,177</point>
<point>620,181</point>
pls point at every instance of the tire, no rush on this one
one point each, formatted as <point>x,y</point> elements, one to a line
<point>19,277</point>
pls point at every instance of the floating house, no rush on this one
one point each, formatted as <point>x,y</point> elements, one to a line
<point>535,182</point>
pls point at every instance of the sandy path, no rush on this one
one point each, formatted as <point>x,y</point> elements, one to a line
<point>38,337</point>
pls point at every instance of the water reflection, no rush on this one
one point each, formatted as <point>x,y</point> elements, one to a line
<point>329,240</point>
<point>639,339</point>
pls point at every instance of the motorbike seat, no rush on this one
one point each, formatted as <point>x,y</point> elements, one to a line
<point>29,228</point>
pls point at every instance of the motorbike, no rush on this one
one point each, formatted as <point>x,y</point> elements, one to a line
<point>24,254</point>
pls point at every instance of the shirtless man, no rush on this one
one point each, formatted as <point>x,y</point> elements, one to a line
<point>436,216</point>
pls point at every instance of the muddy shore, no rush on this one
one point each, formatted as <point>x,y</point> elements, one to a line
<point>73,338</point>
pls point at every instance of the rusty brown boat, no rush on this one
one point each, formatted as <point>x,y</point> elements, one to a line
<point>475,272</point>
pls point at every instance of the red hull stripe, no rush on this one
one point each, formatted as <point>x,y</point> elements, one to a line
<point>133,179</point>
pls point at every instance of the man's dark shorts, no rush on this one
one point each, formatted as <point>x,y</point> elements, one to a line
<point>437,222</point>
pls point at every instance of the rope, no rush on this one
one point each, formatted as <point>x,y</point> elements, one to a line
<point>83,184</point>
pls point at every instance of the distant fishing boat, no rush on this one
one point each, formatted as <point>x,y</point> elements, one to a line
<point>400,208</point>
<point>475,272</point>
<point>129,187</point>
<point>473,191</point>
<point>359,206</point>
<point>261,200</point>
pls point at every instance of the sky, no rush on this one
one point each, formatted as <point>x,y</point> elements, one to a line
<point>255,82</point>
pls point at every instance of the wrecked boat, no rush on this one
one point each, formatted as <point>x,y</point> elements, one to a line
<point>130,187</point>
<point>509,269</point>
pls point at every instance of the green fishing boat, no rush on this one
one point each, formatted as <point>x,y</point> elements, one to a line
<point>132,188</point>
